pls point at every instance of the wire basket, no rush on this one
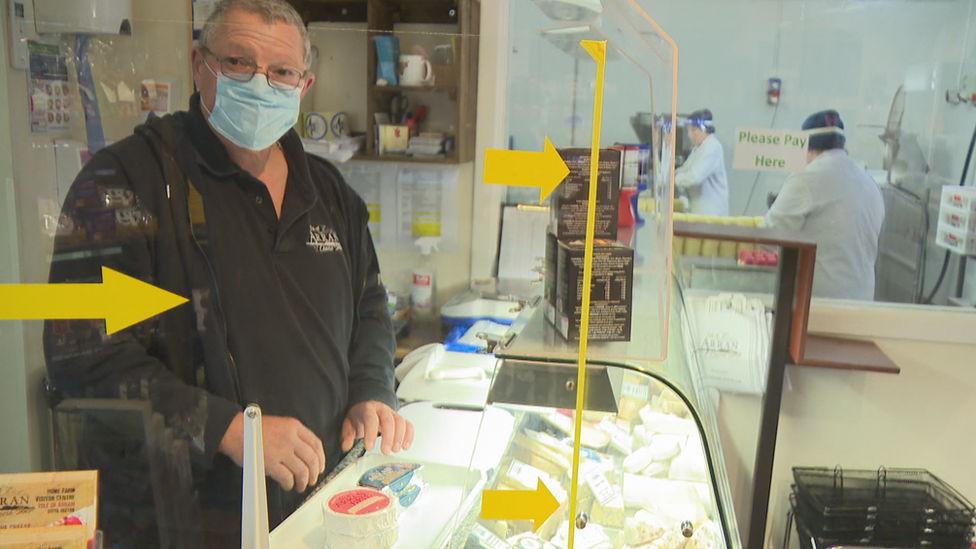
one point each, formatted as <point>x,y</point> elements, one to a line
<point>811,539</point>
<point>859,527</point>
<point>904,507</point>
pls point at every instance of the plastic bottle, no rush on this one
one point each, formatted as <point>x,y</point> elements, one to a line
<point>423,286</point>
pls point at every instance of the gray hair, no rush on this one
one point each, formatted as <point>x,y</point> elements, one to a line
<point>272,11</point>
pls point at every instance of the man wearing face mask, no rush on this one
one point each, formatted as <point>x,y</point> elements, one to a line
<point>272,248</point>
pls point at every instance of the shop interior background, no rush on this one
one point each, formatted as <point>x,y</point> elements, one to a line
<point>850,55</point>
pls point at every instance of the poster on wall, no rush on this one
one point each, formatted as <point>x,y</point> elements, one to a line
<point>375,182</point>
<point>427,204</point>
<point>201,11</point>
<point>48,88</point>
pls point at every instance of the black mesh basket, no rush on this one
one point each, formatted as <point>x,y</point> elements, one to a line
<point>853,527</point>
<point>887,507</point>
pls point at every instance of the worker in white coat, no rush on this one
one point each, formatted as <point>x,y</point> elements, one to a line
<point>702,176</point>
<point>837,204</point>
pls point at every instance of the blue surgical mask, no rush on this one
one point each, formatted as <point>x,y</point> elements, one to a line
<point>253,115</point>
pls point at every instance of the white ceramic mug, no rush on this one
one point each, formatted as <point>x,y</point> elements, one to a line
<point>415,70</point>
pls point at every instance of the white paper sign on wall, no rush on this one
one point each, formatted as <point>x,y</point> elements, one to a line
<point>769,150</point>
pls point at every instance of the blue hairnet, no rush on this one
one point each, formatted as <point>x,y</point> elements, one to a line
<point>826,140</point>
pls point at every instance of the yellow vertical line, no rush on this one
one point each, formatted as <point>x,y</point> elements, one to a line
<point>597,49</point>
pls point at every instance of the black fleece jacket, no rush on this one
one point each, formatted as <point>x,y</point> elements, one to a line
<point>287,313</point>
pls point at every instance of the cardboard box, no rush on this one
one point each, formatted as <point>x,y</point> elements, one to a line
<point>55,537</point>
<point>394,139</point>
<point>549,281</point>
<point>31,500</point>
<point>611,290</point>
<point>568,203</point>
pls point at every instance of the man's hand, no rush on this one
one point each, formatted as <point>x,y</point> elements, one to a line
<point>293,455</point>
<point>367,420</point>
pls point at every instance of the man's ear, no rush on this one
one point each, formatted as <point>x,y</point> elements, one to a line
<point>308,83</point>
<point>196,63</point>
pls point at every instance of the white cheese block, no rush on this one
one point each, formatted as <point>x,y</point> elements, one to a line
<point>638,461</point>
<point>561,421</point>
<point>663,448</point>
<point>669,403</point>
<point>590,437</point>
<point>620,440</point>
<point>549,442</point>
<point>671,500</point>
<point>643,528</point>
<point>672,538</point>
<point>588,467</point>
<point>641,435</point>
<point>528,540</point>
<point>690,465</point>
<point>656,469</point>
<point>526,477</point>
<point>704,537</point>
<point>591,537</point>
<point>659,422</point>
<point>530,449</point>
<point>486,539</point>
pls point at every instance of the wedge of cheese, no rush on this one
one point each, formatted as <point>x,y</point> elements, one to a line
<point>486,539</point>
<point>542,451</point>
<point>590,437</point>
<point>607,508</point>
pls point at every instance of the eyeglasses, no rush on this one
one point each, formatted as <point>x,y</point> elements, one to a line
<point>242,69</point>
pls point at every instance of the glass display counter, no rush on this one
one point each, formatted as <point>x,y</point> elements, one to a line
<point>651,471</point>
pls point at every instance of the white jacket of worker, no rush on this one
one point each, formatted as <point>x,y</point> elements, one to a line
<point>837,204</point>
<point>703,177</point>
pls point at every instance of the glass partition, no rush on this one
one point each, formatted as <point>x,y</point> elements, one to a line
<point>552,80</point>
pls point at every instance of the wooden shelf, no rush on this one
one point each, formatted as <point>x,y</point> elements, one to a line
<point>420,11</point>
<point>460,83</point>
<point>447,88</point>
<point>450,159</point>
<point>846,354</point>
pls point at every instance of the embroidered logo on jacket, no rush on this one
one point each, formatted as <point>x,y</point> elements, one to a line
<point>323,239</point>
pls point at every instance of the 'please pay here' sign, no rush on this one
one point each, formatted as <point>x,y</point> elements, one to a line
<point>770,150</point>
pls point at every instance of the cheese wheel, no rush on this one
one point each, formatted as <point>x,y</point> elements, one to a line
<point>359,513</point>
<point>381,540</point>
<point>594,438</point>
<point>395,476</point>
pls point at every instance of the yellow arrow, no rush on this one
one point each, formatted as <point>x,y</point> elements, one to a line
<point>535,505</point>
<point>121,300</point>
<point>545,170</point>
